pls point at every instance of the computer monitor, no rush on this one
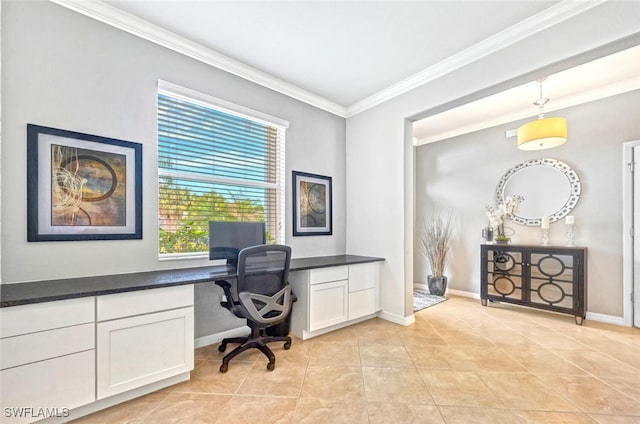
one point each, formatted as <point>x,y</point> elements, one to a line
<point>226,239</point>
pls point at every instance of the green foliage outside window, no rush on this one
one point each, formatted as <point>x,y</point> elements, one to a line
<point>184,216</point>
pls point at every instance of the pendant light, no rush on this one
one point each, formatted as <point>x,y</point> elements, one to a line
<point>543,133</point>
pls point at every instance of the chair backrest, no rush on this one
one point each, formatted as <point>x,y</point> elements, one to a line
<point>263,282</point>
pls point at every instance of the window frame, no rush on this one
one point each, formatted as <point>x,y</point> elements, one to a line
<point>191,96</point>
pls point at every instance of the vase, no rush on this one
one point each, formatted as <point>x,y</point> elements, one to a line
<point>437,285</point>
<point>502,241</point>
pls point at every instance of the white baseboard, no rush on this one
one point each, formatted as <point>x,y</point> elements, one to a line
<point>119,398</point>
<point>607,319</point>
<point>591,316</point>
<point>310,334</point>
<point>461,293</point>
<point>217,337</point>
<point>397,319</point>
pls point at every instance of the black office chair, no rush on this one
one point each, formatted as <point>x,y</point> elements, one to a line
<point>264,299</point>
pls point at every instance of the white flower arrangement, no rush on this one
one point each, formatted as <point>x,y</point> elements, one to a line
<point>497,216</point>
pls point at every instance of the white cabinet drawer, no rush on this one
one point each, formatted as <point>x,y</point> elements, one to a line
<point>327,304</point>
<point>324,275</point>
<point>17,320</point>
<point>363,276</point>
<point>127,304</point>
<point>362,303</point>
<point>33,347</point>
<point>132,352</point>
<point>64,382</point>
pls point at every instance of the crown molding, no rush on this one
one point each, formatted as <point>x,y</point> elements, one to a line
<point>117,18</point>
<point>554,15</point>
<point>139,27</point>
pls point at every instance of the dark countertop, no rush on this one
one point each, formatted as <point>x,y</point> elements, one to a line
<point>15,294</point>
<point>301,264</point>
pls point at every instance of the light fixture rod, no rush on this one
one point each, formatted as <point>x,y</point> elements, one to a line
<point>541,101</point>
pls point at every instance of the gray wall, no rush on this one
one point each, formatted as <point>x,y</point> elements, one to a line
<point>380,179</point>
<point>65,70</point>
<point>460,175</point>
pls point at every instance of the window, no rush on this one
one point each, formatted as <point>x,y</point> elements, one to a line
<point>216,161</point>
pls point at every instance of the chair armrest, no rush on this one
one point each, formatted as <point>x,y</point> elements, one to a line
<point>226,288</point>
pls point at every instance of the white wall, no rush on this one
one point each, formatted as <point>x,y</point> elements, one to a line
<point>376,139</point>
<point>65,70</point>
<point>460,174</point>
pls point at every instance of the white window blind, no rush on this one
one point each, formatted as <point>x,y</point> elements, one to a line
<point>216,161</point>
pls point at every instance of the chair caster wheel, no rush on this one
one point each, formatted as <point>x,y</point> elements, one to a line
<point>222,348</point>
<point>271,366</point>
<point>224,368</point>
<point>287,345</point>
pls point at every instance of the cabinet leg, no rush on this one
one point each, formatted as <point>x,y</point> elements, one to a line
<point>579,320</point>
<point>484,302</point>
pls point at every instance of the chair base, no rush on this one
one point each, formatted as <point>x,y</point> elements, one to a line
<point>258,341</point>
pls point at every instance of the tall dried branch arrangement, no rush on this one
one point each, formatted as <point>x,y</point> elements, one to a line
<point>435,242</point>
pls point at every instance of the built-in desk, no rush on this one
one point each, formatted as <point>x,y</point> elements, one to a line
<point>79,345</point>
<point>15,294</point>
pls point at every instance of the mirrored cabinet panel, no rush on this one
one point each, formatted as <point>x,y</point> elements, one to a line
<point>543,277</point>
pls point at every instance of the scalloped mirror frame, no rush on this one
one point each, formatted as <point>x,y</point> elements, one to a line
<point>566,170</point>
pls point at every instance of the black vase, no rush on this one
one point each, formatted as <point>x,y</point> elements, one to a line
<point>437,285</point>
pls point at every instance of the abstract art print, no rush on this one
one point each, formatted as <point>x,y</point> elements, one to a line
<point>82,186</point>
<point>312,205</point>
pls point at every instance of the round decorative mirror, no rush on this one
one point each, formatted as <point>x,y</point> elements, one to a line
<point>550,188</point>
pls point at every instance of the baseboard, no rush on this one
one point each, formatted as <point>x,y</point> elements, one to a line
<point>461,293</point>
<point>306,335</point>
<point>591,316</point>
<point>101,404</point>
<point>397,319</point>
<point>217,337</point>
<point>607,319</point>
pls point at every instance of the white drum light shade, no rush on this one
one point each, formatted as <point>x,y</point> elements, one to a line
<point>542,134</point>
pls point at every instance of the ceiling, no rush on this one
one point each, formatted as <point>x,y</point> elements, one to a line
<point>343,51</point>
<point>342,56</point>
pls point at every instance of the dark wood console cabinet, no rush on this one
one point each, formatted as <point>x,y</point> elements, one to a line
<point>544,277</point>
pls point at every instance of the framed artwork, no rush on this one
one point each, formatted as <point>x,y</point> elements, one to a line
<point>82,186</point>
<point>312,206</point>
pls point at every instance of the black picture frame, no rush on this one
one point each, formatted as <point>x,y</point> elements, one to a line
<point>312,204</point>
<point>82,186</point>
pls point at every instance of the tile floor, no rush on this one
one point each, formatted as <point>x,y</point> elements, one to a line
<point>459,363</point>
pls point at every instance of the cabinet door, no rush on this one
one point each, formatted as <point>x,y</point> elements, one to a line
<point>362,303</point>
<point>363,276</point>
<point>121,305</point>
<point>328,304</point>
<point>58,384</point>
<point>34,347</point>
<point>24,319</point>
<point>505,274</point>
<point>553,277</point>
<point>325,275</point>
<point>132,352</point>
